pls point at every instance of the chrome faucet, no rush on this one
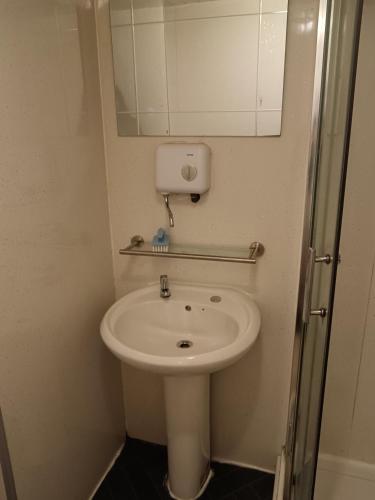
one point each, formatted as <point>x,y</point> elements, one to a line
<point>164,287</point>
<point>170,214</point>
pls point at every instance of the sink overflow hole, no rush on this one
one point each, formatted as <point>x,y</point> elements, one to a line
<point>215,298</point>
<point>188,308</point>
<point>184,344</point>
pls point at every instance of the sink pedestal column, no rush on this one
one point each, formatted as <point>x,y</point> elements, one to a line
<point>187,402</point>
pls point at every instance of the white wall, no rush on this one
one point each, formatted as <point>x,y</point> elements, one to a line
<point>257,193</point>
<point>3,495</point>
<point>349,408</point>
<point>59,387</point>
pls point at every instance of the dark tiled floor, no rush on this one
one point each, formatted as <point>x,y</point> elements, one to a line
<point>139,473</point>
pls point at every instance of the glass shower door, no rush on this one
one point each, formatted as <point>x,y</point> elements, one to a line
<point>334,88</point>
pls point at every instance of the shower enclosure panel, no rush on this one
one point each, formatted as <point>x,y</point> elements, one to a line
<point>337,49</point>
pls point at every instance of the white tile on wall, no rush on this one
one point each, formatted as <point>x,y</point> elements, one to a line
<point>75,83</point>
<point>193,81</point>
<point>148,11</point>
<point>153,124</point>
<point>127,124</point>
<point>332,485</point>
<point>274,5</point>
<point>60,392</point>
<point>214,124</point>
<point>3,495</point>
<point>123,58</point>
<point>145,421</point>
<point>362,442</point>
<point>370,317</point>
<point>271,61</point>
<point>198,10</point>
<point>268,122</point>
<point>66,15</point>
<point>38,98</point>
<point>150,67</point>
<point>120,11</point>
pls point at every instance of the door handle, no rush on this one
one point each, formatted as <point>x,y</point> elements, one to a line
<point>308,286</point>
<point>327,259</point>
<point>322,312</point>
<point>307,311</point>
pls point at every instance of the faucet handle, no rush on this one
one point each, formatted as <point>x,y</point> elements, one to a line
<point>164,288</point>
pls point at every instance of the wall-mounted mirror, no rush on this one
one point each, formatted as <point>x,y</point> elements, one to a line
<point>199,67</point>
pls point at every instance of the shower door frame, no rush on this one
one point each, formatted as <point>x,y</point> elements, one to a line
<point>320,83</point>
<point>6,465</point>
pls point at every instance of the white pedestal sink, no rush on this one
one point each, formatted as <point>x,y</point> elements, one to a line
<point>196,331</point>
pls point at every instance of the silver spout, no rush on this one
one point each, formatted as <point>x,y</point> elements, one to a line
<point>164,287</point>
<point>170,214</point>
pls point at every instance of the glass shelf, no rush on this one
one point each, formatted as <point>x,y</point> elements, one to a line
<point>240,255</point>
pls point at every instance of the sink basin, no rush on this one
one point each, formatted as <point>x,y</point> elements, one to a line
<point>196,330</point>
<point>185,337</point>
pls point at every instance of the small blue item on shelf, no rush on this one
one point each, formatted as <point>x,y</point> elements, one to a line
<point>160,242</point>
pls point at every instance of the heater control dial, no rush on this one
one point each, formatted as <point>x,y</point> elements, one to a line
<point>189,172</point>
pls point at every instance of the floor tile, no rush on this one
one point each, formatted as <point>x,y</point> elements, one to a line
<point>264,487</point>
<point>140,470</point>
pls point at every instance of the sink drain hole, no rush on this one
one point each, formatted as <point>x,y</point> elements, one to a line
<point>184,344</point>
